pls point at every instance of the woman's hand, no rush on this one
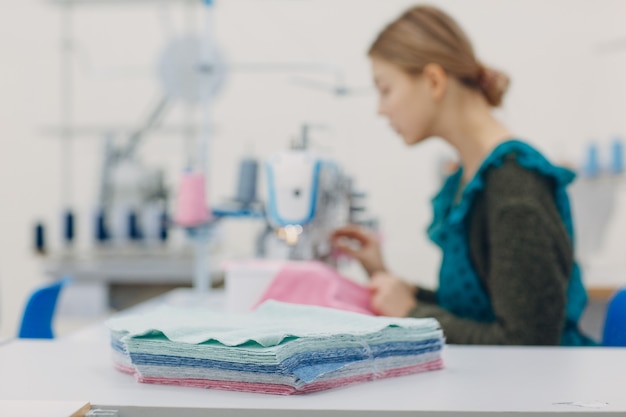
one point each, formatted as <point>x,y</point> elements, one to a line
<point>392,296</point>
<point>361,244</point>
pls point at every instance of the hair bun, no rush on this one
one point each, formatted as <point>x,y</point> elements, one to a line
<point>493,84</point>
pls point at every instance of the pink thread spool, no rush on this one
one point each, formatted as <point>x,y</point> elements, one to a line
<point>191,206</point>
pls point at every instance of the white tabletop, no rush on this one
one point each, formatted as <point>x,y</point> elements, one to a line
<point>43,408</point>
<point>476,380</point>
<point>528,381</point>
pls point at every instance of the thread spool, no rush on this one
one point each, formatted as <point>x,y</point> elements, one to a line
<point>617,157</point>
<point>247,181</point>
<point>134,229</point>
<point>152,223</point>
<point>40,238</point>
<point>163,233</point>
<point>592,166</point>
<point>119,224</point>
<point>68,227</point>
<point>191,208</point>
<point>101,233</point>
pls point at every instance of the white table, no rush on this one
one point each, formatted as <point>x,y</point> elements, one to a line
<point>43,408</point>
<point>476,381</point>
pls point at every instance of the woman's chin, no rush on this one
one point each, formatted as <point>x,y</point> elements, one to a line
<point>411,140</point>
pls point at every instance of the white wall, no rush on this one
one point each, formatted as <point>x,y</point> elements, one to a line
<point>564,92</point>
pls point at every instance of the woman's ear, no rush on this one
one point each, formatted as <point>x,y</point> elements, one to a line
<point>436,80</point>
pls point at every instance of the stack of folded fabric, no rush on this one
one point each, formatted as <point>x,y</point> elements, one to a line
<point>279,348</point>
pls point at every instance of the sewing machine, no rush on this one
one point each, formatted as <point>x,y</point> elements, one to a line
<point>308,197</point>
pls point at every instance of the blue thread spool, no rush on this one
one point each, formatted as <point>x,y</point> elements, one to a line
<point>617,157</point>
<point>68,226</point>
<point>592,167</point>
<point>134,232</point>
<point>40,238</point>
<point>163,233</point>
<point>101,233</point>
<point>247,181</point>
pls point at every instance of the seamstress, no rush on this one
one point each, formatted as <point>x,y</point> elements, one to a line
<point>503,220</point>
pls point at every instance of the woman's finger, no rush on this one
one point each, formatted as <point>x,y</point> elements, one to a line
<point>352,232</point>
<point>347,249</point>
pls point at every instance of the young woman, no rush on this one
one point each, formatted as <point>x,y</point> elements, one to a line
<point>503,220</point>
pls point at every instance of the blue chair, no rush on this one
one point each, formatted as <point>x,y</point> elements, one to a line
<point>615,322</point>
<point>39,311</point>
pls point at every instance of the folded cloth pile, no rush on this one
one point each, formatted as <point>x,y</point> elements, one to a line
<point>279,348</point>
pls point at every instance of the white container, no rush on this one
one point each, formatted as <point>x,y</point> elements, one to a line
<point>246,281</point>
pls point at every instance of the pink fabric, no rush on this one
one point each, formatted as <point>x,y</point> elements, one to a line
<point>124,368</point>
<point>287,389</point>
<point>315,283</point>
<point>409,370</point>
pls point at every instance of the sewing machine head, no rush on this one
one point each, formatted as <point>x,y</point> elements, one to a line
<point>308,197</point>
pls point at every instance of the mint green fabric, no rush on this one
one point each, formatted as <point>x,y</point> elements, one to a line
<point>270,325</point>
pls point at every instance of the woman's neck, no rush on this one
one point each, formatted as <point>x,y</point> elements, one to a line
<point>474,133</point>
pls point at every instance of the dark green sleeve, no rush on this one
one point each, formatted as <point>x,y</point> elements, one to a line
<point>525,280</point>
<point>426,295</point>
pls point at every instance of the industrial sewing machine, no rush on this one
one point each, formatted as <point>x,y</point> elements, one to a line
<point>308,197</point>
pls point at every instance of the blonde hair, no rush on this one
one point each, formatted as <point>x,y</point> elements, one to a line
<point>423,35</point>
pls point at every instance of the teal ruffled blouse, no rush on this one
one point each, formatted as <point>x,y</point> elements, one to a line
<point>448,230</point>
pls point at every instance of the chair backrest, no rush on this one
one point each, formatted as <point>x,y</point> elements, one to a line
<point>615,322</point>
<point>39,311</point>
